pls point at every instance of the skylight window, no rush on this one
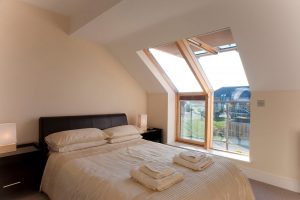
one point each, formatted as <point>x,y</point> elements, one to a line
<point>201,52</point>
<point>227,47</point>
<point>176,69</point>
<point>224,69</point>
<point>225,73</point>
<point>212,90</point>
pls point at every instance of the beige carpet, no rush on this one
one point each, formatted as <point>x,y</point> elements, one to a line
<point>262,191</point>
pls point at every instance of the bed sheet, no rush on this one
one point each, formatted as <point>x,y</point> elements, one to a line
<point>104,173</point>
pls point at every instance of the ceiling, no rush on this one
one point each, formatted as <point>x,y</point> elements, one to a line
<point>79,11</point>
<point>260,29</point>
<point>131,16</point>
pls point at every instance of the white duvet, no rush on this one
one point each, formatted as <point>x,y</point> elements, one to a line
<point>103,173</point>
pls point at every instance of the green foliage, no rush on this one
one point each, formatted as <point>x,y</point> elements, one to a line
<point>195,128</point>
<point>192,128</point>
<point>219,124</point>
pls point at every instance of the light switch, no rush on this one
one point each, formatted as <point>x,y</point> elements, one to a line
<point>260,103</point>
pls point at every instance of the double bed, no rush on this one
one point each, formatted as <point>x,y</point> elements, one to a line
<point>103,172</point>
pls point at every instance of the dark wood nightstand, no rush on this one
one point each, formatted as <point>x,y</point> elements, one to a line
<point>21,170</point>
<point>153,134</point>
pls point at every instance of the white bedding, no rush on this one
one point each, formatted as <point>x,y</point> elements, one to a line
<point>104,173</point>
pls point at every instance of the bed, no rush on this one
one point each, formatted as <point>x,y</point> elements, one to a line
<point>103,172</point>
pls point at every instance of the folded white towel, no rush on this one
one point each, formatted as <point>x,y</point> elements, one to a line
<point>202,164</point>
<point>192,156</point>
<point>156,184</point>
<point>156,170</point>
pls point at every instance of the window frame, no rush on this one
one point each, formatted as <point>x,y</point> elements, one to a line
<point>178,118</point>
<point>195,67</point>
<point>187,47</point>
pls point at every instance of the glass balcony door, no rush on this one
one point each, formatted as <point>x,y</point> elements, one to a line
<point>231,126</point>
<point>192,125</point>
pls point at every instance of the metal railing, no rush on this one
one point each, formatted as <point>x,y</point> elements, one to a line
<point>231,123</point>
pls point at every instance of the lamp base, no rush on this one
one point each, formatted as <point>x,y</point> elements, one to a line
<point>8,148</point>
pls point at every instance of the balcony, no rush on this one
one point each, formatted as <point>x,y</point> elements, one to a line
<point>230,126</point>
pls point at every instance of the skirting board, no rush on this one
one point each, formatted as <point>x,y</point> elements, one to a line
<point>279,181</point>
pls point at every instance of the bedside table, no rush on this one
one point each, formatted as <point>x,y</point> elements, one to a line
<point>21,170</point>
<point>153,134</point>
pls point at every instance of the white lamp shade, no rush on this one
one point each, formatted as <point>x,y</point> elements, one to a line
<point>142,122</point>
<point>8,138</point>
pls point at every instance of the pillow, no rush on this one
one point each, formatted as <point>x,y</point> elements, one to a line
<point>119,131</point>
<point>63,138</point>
<point>78,146</point>
<point>124,138</point>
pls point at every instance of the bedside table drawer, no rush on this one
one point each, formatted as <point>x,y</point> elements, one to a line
<point>9,184</point>
<point>13,175</point>
<point>6,181</point>
<point>11,180</point>
<point>11,188</point>
<point>20,171</point>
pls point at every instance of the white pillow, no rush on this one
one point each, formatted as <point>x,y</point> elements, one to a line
<point>124,138</point>
<point>63,138</point>
<point>119,131</point>
<point>78,146</point>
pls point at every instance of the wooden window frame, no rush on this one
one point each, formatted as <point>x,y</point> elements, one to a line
<point>194,65</point>
<point>178,119</point>
<point>159,68</point>
<point>190,58</point>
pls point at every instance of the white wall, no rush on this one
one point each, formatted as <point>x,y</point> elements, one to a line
<point>45,72</point>
<point>275,133</point>
<point>157,110</point>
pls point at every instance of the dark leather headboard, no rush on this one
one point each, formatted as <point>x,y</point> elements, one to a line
<point>48,125</point>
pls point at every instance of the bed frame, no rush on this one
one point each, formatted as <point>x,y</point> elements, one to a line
<point>48,125</point>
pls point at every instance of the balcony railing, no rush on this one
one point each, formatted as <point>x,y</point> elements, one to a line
<point>231,126</point>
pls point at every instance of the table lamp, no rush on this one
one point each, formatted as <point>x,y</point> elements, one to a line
<point>7,137</point>
<point>142,122</point>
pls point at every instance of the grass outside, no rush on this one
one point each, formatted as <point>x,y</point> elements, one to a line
<point>192,128</point>
<point>230,135</point>
<point>195,128</point>
<point>219,124</point>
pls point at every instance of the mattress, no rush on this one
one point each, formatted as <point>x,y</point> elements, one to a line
<point>104,173</point>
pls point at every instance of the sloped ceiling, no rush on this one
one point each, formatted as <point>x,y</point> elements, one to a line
<point>79,11</point>
<point>266,32</point>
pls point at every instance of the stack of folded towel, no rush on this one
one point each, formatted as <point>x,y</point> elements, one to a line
<point>156,176</point>
<point>194,160</point>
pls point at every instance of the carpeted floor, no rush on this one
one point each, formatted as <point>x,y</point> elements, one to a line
<point>262,191</point>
